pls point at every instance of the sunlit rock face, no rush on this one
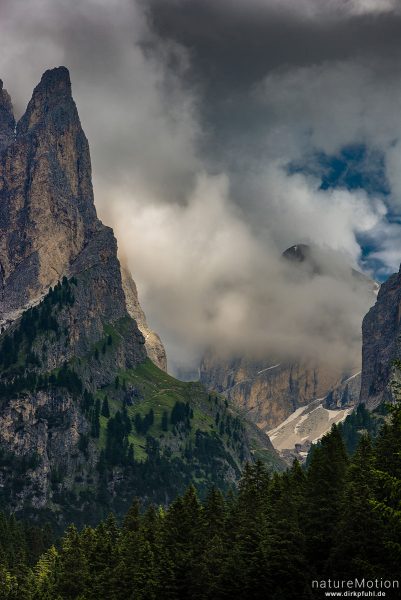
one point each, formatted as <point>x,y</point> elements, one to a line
<point>47,214</point>
<point>48,222</point>
<point>270,391</point>
<point>153,344</point>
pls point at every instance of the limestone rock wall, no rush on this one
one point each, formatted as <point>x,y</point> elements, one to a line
<point>269,390</point>
<point>47,214</point>
<point>381,343</point>
<point>153,344</point>
<point>7,121</point>
<point>49,231</point>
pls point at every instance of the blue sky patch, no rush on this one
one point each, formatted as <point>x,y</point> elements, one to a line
<point>354,167</point>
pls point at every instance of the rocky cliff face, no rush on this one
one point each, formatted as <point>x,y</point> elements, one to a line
<point>86,420</point>
<point>49,228</point>
<point>48,222</point>
<point>49,231</point>
<point>381,343</point>
<point>7,121</point>
<point>270,390</point>
<point>47,214</point>
<point>153,344</point>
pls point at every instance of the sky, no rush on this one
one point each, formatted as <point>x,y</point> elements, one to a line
<point>221,133</point>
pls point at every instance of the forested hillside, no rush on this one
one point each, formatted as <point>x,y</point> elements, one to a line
<point>338,520</point>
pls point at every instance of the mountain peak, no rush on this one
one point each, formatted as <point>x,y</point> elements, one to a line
<point>49,193</point>
<point>51,99</point>
<point>54,84</point>
<point>7,121</point>
<point>297,253</point>
<point>55,77</point>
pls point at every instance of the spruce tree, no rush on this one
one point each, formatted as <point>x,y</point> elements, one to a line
<point>104,560</point>
<point>105,408</point>
<point>357,543</point>
<point>45,575</point>
<point>132,518</point>
<point>72,568</point>
<point>207,580</point>
<point>95,423</point>
<point>387,486</point>
<point>283,543</point>
<point>182,538</point>
<point>246,526</point>
<point>324,489</point>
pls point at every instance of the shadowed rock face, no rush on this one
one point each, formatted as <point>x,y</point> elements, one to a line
<point>7,121</point>
<point>381,343</point>
<point>298,253</point>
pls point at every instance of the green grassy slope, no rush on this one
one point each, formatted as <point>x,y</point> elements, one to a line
<point>148,388</point>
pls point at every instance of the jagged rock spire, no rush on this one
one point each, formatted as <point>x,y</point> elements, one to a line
<point>51,99</point>
<point>48,222</point>
<point>47,212</point>
<point>7,121</point>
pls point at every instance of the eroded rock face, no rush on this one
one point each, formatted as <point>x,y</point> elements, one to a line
<point>7,121</point>
<point>153,344</point>
<point>270,390</point>
<point>381,343</point>
<point>47,214</point>
<point>48,222</point>
<point>41,433</point>
<point>344,393</point>
<point>49,230</point>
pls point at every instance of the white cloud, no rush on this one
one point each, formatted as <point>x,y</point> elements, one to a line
<point>323,8</point>
<point>206,279</point>
<point>372,6</point>
<point>330,105</point>
<point>296,209</point>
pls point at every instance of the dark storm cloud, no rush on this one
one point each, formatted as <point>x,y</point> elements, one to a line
<point>235,45</point>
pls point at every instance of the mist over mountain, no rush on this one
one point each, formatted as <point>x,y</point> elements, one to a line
<point>220,146</point>
<point>297,393</point>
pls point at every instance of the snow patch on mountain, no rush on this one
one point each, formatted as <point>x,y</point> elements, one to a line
<point>305,426</point>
